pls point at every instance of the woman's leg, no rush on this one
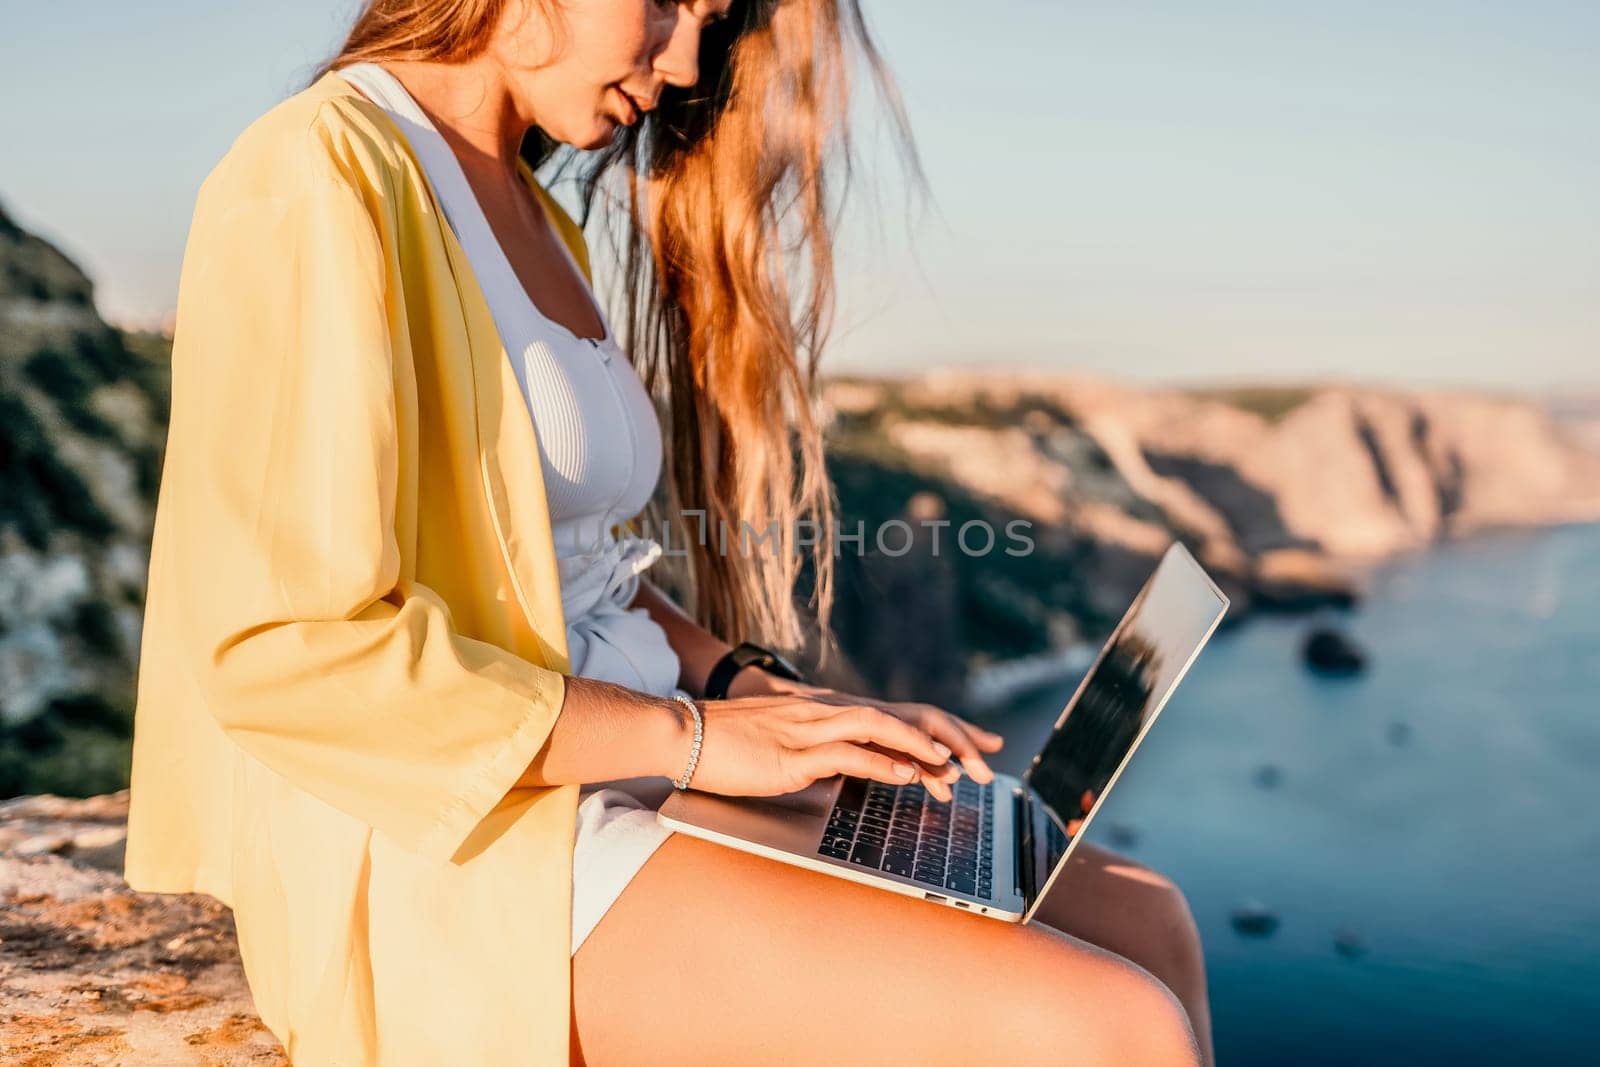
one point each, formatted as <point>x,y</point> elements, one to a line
<point>713,956</point>
<point>1110,901</point>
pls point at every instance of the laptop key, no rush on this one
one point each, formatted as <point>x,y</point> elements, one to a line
<point>867,855</point>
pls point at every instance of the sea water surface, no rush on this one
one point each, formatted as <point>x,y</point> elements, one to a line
<point>1427,834</point>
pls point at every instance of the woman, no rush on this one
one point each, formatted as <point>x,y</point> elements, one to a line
<point>404,688</point>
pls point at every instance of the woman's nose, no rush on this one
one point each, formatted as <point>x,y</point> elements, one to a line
<point>679,62</point>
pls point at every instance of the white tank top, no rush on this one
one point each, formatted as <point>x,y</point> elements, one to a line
<point>599,437</point>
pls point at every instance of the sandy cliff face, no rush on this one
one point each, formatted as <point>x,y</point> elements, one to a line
<point>1578,412</point>
<point>1353,473</point>
<point>1284,493</point>
<point>1361,474</point>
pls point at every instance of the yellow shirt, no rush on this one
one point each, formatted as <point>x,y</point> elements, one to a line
<point>353,638</point>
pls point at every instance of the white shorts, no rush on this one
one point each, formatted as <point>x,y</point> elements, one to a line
<point>617,833</point>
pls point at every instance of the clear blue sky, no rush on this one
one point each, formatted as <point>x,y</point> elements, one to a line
<point>1162,190</point>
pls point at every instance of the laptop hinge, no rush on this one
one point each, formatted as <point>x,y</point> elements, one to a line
<point>1023,821</point>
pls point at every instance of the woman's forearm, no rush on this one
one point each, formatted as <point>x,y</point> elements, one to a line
<point>609,733</point>
<point>606,732</point>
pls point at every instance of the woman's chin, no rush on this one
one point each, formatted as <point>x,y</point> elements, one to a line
<point>600,133</point>
<point>596,132</point>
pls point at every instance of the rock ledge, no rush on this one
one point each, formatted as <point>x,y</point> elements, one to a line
<point>92,972</point>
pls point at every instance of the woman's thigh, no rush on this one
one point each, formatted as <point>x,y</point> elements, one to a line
<point>713,956</point>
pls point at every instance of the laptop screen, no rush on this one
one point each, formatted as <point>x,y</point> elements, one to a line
<point>1141,663</point>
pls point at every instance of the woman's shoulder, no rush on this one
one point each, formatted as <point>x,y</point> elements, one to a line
<point>327,129</point>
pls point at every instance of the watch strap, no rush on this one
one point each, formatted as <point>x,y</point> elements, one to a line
<point>745,654</point>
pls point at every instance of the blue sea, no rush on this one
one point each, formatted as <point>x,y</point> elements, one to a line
<point>1427,834</point>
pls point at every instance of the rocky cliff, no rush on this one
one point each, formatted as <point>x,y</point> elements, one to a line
<point>82,423</point>
<point>1286,494</point>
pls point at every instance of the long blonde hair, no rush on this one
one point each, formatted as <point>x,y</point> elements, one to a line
<point>731,191</point>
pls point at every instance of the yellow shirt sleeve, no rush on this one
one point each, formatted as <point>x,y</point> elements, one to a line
<point>313,651</point>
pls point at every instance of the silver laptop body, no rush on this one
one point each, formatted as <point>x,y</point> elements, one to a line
<point>994,849</point>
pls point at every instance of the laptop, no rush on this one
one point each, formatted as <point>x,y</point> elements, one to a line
<point>993,849</point>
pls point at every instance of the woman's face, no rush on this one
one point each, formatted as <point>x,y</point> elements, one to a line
<point>611,60</point>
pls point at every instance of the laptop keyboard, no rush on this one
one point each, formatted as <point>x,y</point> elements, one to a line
<point>902,830</point>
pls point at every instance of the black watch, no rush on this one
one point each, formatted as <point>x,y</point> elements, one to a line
<point>745,654</point>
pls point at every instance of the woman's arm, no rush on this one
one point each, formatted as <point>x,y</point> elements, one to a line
<point>293,613</point>
<point>762,740</point>
<point>752,746</point>
<point>699,650</point>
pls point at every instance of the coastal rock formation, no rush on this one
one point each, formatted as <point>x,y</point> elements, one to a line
<point>1350,473</point>
<point>1329,651</point>
<point>1286,494</point>
<point>94,973</point>
<point>83,414</point>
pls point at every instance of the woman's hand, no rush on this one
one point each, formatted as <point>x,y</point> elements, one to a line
<point>965,740</point>
<point>777,743</point>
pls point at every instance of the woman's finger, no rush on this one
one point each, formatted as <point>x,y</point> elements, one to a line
<point>937,779</point>
<point>963,738</point>
<point>863,724</point>
<point>843,757</point>
<point>987,740</point>
<point>949,729</point>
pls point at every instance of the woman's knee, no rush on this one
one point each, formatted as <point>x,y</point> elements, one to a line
<point>1136,912</point>
<point>1111,1012</point>
<point>1176,951</point>
<point>1162,1032</point>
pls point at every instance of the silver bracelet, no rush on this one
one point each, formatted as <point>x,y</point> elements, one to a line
<point>699,733</point>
